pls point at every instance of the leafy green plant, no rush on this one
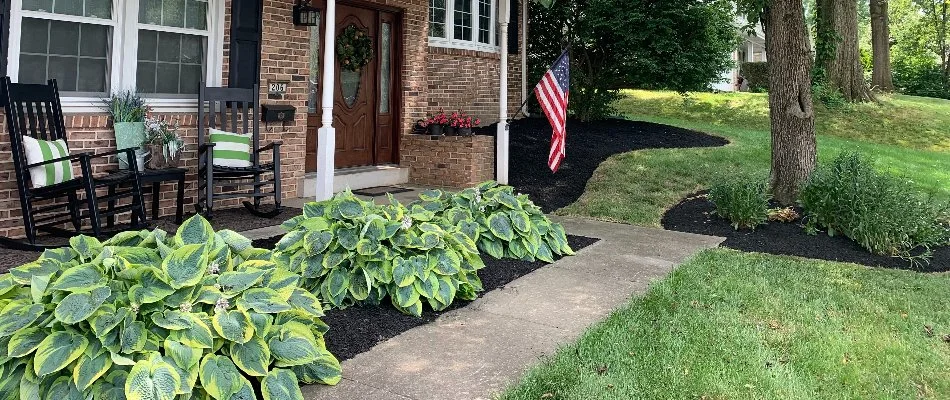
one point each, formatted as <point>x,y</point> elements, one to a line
<point>356,252</point>
<point>144,315</point>
<point>126,107</point>
<point>502,223</point>
<point>743,199</point>
<point>883,213</point>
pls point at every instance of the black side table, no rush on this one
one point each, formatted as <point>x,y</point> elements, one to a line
<point>155,177</point>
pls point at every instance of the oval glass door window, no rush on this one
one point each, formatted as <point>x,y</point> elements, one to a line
<point>350,83</point>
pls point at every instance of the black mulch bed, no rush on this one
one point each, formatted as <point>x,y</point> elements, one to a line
<point>588,145</point>
<point>357,329</point>
<point>695,215</point>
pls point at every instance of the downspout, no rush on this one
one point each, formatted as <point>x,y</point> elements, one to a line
<point>326,135</point>
<point>501,138</point>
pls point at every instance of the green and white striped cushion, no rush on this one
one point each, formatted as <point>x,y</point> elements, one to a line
<point>230,149</point>
<point>42,150</point>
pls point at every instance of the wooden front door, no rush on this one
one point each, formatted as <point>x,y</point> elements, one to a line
<point>364,102</point>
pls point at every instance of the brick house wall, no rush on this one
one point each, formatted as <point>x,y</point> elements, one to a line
<point>449,161</point>
<point>285,57</point>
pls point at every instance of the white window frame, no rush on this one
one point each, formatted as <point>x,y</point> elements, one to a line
<point>449,41</point>
<point>124,52</point>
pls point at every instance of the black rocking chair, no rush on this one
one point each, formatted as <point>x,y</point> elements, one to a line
<point>34,110</point>
<point>235,110</point>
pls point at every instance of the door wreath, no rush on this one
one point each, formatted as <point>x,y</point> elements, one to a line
<point>355,48</point>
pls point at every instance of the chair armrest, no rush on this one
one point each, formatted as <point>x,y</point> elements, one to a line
<point>70,158</point>
<point>205,147</point>
<point>129,151</point>
<point>273,145</point>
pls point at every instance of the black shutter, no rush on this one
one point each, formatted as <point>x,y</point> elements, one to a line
<point>4,34</point>
<point>244,60</point>
<point>514,30</point>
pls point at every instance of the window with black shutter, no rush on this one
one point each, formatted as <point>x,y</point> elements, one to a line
<point>245,51</point>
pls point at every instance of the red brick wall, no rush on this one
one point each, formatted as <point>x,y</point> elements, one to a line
<point>425,85</point>
<point>449,161</point>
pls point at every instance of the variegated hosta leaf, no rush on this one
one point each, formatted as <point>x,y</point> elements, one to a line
<point>307,302</point>
<point>263,300</point>
<point>445,261</point>
<point>317,242</point>
<point>79,278</point>
<point>326,370</point>
<point>360,284</point>
<point>291,241</point>
<point>133,337</point>
<point>25,341</point>
<point>107,319</point>
<point>197,335</point>
<point>347,237</point>
<point>175,320</point>
<point>500,225</point>
<point>63,388</point>
<point>77,307</point>
<point>89,369</point>
<point>403,272</point>
<point>233,325</point>
<point>235,240</point>
<point>112,386</point>
<point>195,230</point>
<point>24,273</point>
<point>315,224</point>
<point>87,247</point>
<point>29,386</point>
<point>252,357</point>
<point>293,344</point>
<point>405,297</point>
<point>38,284</point>
<point>186,265</point>
<point>18,315</point>
<point>281,384</point>
<point>234,282</point>
<point>151,288</point>
<point>219,377</point>
<point>338,281</point>
<point>152,379</point>
<point>58,350</point>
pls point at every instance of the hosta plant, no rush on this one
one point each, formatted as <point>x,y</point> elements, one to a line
<point>145,315</point>
<point>503,224</point>
<point>356,252</point>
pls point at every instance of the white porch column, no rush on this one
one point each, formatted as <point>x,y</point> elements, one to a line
<point>501,138</point>
<point>326,135</point>
<point>750,51</point>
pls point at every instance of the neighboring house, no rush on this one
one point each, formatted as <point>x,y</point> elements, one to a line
<point>428,54</point>
<point>751,49</point>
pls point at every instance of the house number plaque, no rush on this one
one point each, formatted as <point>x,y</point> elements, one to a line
<point>277,88</point>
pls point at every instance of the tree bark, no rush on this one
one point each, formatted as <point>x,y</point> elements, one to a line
<point>790,99</point>
<point>881,78</point>
<point>838,30</point>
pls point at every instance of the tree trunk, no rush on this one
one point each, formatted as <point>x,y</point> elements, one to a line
<point>882,78</point>
<point>790,101</point>
<point>841,62</point>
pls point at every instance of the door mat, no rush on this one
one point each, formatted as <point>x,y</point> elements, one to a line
<point>380,191</point>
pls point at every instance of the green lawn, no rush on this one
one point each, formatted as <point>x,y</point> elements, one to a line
<point>732,325</point>
<point>654,180</point>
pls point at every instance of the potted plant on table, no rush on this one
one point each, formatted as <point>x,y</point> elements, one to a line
<point>462,123</point>
<point>127,111</point>
<point>437,123</point>
<point>163,143</point>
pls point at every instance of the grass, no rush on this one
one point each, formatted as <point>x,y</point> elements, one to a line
<point>654,180</point>
<point>732,325</point>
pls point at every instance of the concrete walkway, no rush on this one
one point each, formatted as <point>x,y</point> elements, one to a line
<point>476,351</point>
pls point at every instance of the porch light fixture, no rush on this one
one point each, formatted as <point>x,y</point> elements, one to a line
<point>306,14</point>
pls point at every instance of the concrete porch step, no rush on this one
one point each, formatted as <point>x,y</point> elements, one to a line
<point>357,178</point>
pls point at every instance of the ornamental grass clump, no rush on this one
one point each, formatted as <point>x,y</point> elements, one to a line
<point>883,213</point>
<point>357,252</point>
<point>743,199</point>
<point>144,315</point>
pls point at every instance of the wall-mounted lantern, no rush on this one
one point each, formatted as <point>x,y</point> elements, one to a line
<point>306,14</point>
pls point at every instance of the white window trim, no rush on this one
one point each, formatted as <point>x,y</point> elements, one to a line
<point>449,41</point>
<point>124,52</point>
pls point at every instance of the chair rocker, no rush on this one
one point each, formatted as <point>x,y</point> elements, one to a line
<point>35,110</point>
<point>235,110</point>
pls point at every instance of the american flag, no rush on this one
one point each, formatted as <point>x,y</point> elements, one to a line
<point>552,93</point>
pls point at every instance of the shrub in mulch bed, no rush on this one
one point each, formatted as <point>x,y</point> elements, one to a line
<point>695,215</point>
<point>588,145</point>
<point>355,330</point>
